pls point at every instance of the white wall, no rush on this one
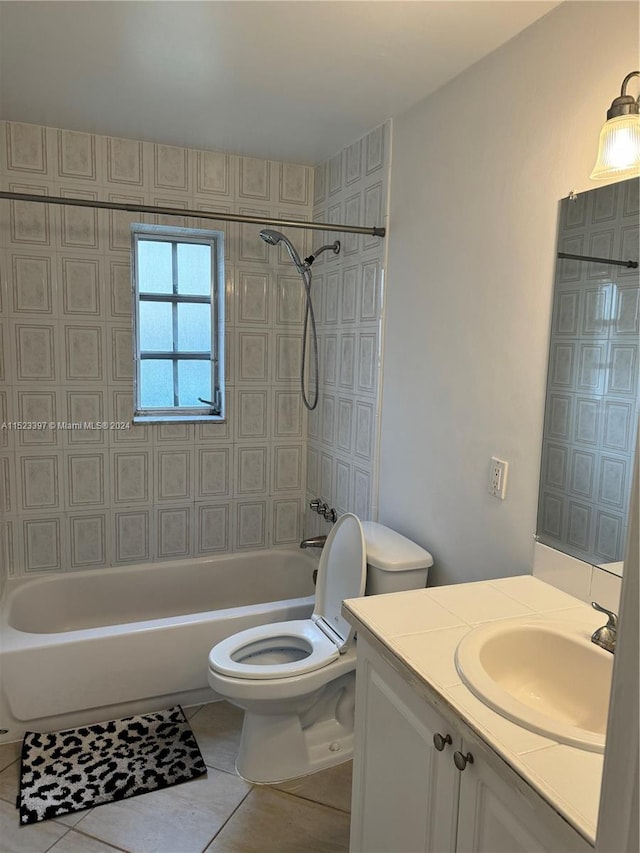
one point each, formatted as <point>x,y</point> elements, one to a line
<point>478,169</point>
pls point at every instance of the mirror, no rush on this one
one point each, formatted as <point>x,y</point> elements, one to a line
<point>592,397</point>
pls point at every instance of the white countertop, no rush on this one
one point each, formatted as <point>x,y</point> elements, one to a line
<point>422,629</point>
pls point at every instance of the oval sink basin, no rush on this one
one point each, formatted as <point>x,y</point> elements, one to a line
<point>548,677</point>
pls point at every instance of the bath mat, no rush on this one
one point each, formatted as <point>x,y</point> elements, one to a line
<point>67,771</point>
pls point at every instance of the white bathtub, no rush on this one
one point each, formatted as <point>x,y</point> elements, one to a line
<point>87,646</point>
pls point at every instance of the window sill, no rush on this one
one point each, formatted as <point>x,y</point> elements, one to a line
<point>178,419</point>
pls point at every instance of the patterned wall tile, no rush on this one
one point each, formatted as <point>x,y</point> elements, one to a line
<point>85,408</point>
<point>31,284</point>
<point>171,168</point>
<point>77,156</point>
<point>251,470</point>
<point>375,146</point>
<point>79,227</point>
<point>123,162</point>
<point>132,530</point>
<point>88,540</point>
<point>215,174</point>
<point>287,515</point>
<point>250,527</point>
<point>37,409</point>
<point>213,474</point>
<point>288,355</point>
<point>173,532</point>
<point>334,170</point>
<point>173,475</point>
<point>43,544</point>
<point>252,357</point>
<point>290,303</point>
<point>213,528</point>
<point>87,480</point>
<point>313,466</point>
<point>252,414</point>
<point>35,359</point>
<point>255,179</point>
<point>288,414</point>
<point>287,468</point>
<point>116,224</point>
<point>29,222</point>
<point>39,481</point>
<point>294,184</point>
<point>253,297</point>
<point>131,477</point>
<point>26,146</point>
<point>120,345</point>
<point>84,357</point>
<point>81,285</point>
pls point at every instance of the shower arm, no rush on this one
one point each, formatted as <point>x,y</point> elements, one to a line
<point>333,247</point>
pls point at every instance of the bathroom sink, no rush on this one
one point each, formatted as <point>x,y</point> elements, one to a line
<point>548,677</point>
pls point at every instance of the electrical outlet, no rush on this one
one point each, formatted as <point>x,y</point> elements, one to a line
<point>498,478</point>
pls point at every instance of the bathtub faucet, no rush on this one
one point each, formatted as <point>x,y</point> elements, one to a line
<point>314,542</point>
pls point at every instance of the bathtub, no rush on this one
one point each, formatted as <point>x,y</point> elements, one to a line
<point>93,645</point>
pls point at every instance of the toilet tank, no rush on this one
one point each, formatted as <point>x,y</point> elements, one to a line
<point>394,563</point>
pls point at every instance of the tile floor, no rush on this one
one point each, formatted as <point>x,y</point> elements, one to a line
<point>219,813</point>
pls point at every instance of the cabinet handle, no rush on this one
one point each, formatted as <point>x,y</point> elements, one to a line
<point>440,741</point>
<point>461,760</point>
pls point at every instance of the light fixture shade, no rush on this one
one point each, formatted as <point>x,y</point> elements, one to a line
<point>619,148</point>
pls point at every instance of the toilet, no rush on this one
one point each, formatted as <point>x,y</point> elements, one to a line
<point>296,680</point>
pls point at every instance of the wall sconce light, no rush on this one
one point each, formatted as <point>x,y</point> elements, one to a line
<point>619,147</point>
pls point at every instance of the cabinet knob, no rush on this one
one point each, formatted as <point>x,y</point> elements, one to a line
<point>461,760</point>
<point>440,741</point>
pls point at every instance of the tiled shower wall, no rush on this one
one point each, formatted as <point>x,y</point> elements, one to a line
<point>93,498</point>
<point>352,188</point>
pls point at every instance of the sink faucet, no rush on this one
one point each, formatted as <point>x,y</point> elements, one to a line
<point>606,636</point>
<point>314,542</point>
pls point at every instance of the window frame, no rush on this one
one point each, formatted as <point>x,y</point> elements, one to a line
<point>215,240</point>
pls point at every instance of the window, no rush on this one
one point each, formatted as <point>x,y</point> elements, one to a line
<point>178,276</point>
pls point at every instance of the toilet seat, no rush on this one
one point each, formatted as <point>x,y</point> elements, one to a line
<point>306,644</point>
<point>301,635</point>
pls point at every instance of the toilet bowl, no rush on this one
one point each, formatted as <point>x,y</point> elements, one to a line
<point>296,680</point>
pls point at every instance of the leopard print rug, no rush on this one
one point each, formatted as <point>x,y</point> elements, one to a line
<point>67,771</point>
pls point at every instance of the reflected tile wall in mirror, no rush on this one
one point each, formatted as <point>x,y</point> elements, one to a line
<point>591,416</point>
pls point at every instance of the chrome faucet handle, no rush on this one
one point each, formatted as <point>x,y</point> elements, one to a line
<point>606,636</point>
<point>613,617</point>
<point>315,504</point>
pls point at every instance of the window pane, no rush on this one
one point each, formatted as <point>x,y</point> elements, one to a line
<point>156,383</point>
<point>194,380</point>
<point>156,326</point>
<point>194,269</point>
<point>194,328</point>
<point>155,270</point>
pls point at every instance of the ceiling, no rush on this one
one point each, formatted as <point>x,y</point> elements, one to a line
<point>295,80</point>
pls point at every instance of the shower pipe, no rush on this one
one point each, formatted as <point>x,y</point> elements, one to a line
<point>373,231</point>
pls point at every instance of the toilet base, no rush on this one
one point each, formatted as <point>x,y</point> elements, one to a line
<point>277,747</point>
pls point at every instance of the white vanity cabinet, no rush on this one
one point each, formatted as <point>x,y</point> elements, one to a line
<point>409,796</point>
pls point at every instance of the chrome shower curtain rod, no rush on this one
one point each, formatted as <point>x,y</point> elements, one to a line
<point>632,265</point>
<point>373,231</point>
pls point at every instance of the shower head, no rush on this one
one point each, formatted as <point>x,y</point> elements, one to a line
<point>275,237</point>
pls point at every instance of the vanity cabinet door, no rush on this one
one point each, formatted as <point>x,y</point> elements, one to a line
<point>500,813</point>
<point>405,792</point>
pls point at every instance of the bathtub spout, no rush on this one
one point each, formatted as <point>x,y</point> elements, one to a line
<point>314,542</point>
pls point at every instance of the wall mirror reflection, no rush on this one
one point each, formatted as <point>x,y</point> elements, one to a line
<point>592,397</point>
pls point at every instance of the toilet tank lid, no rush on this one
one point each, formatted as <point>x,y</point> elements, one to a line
<point>391,551</point>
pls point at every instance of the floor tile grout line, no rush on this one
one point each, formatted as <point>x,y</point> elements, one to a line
<point>216,834</point>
